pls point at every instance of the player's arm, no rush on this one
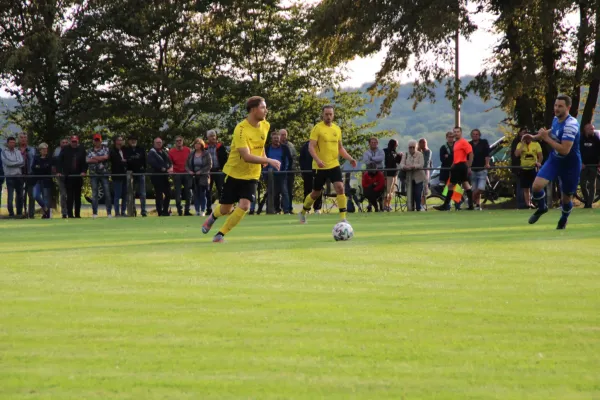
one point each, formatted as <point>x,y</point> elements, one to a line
<point>252,159</point>
<point>312,149</point>
<point>345,155</point>
<point>565,146</point>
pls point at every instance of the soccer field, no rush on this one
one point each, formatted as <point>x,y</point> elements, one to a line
<point>476,305</point>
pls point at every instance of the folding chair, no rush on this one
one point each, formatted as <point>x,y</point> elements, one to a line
<point>400,199</point>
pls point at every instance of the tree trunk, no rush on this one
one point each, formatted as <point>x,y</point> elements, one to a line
<point>549,54</point>
<point>582,35</point>
<point>592,98</point>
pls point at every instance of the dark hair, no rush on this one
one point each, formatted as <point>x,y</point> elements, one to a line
<point>326,106</point>
<point>391,144</point>
<point>523,128</point>
<point>476,130</point>
<point>253,102</point>
<point>458,127</point>
<point>565,98</point>
<point>8,139</point>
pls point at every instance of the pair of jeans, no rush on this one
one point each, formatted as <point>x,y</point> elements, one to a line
<point>73,185</point>
<point>589,174</point>
<point>28,197</point>
<point>14,190</point>
<point>280,199</point>
<point>120,195</point>
<point>289,183</point>
<point>182,181</point>
<point>139,185</point>
<point>96,180</point>
<point>42,195</point>
<point>200,192</point>
<point>162,191</point>
<point>417,194</point>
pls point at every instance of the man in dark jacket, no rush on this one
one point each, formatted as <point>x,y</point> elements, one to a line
<point>72,165</point>
<point>281,153</point>
<point>159,163</point>
<point>305,160</point>
<point>1,177</point>
<point>136,163</point>
<point>590,158</point>
<point>218,154</point>
<point>118,166</point>
<point>60,180</point>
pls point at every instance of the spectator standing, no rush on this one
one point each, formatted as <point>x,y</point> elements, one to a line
<point>160,163</point>
<point>516,171</point>
<point>12,162</point>
<point>72,165</point>
<point>97,160</point>
<point>291,174</point>
<point>218,154</point>
<point>28,153</point>
<point>373,183</point>
<point>136,163</point>
<point>198,165</point>
<point>374,154</point>
<point>42,165</point>
<point>1,177</point>
<point>277,151</point>
<point>446,158</point>
<point>179,155</point>
<point>590,158</point>
<point>481,163</point>
<point>413,163</point>
<point>530,159</point>
<point>428,163</point>
<point>62,190</point>
<point>305,161</point>
<point>118,166</point>
<point>392,159</point>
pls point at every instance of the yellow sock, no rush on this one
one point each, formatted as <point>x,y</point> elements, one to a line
<point>308,202</point>
<point>342,202</point>
<point>217,212</point>
<point>234,218</point>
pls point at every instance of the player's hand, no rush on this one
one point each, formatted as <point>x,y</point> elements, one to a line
<point>543,133</point>
<point>320,164</point>
<point>83,174</point>
<point>537,164</point>
<point>353,163</point>
<point>487,166</point>
<point>170,170</point>
<point>275,164</point>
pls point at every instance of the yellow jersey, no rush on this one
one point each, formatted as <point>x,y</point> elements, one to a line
<point>328,140</point>
<point>251,138</point>
<point>529,154</point>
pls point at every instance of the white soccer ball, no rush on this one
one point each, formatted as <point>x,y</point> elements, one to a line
<point>342,231</point>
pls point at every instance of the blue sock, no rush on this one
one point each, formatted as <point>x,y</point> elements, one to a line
<point>566,209</point>
<point>540,197</point>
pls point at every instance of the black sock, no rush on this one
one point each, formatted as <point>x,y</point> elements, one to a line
<point>220,233</point>
<point>470,197</point>
<point>448,198</point>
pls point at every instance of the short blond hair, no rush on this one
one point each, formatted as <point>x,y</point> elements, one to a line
<point>201,142</point>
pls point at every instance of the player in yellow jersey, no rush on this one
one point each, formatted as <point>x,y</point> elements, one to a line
<point>325,147</point>
<point>243,168</point>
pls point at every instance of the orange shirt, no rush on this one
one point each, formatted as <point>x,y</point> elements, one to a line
<point>461,150</point>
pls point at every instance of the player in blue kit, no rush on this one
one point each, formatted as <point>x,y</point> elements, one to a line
<point>564,161</point>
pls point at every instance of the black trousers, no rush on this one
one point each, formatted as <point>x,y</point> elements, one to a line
<point>588,184</point>
<point>73,185</point>
<point>162,191</point>
<point>308,177</point>
<point>215,180</point>
<point>289,181</point>
<point>373,197</point>
<point>28,200</point>
<point>184,181</point>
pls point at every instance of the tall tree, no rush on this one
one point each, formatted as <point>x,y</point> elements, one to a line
<point>594,83</point>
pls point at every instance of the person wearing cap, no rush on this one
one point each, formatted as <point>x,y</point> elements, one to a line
<point>179,155</point>
<point>72,165</point>
<point>64,142</point>
<point>118,167</point>
<point>42,165</point>
<point>97,160</point>
<point>12,161</point>
<point>136,163</point>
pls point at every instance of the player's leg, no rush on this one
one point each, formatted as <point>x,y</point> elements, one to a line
<point>335,175</point>
<point>568,184</point>
<point>547,173</point>
<point>456,176</point>
<point>317,187</point>
<point>226,202</point>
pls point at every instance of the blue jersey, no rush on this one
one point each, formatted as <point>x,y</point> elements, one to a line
<point>568,130</point>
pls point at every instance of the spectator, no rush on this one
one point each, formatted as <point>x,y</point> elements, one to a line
<point>305,160</point>
<point>42,165</point>
<point>160,163</point>
<point>1,177</point>
<point>590,158</point>
<point>373,183</point>
<point>62,190</point>
<point>136,163</point>
<point>291,175</point>
<point>118,166</point>
<point>72,165</point>
<point>531,157</point>
<point>446,158</point>
<point>428,160</point>
<point>374,154</point>
<point>178,156</point>
<point>481,163</point>
<point>12,161</point>
<point>392,159</point>
<point>97,159</point>
<point>282,154</point>
<point>516,172</point>
<point>28,153</point>
<point>218,154</point>
<point>198,165</point>
<point>413,163</point>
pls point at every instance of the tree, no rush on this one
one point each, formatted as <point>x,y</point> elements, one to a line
<point>594,83</point>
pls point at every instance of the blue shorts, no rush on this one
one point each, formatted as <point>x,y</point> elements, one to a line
<point>567,174</point>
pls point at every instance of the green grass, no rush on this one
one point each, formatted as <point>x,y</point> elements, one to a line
<point>416,306</point>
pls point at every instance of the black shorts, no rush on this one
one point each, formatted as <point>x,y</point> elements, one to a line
<point>459,173</point>
<point>322,175</point>
<point>527,176</point>
<point>236,189</point>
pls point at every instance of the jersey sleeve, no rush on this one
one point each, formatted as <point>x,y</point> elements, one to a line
<point>570,130</point>
<point>314,134</point>
<point>240,139</point>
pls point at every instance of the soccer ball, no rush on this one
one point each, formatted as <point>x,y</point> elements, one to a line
<point>342,231</point>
